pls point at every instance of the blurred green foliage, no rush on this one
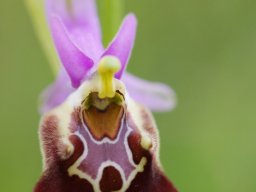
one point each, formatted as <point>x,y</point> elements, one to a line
<point>206,50</point>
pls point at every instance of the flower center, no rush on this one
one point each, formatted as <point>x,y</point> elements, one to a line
<point>103,116</point>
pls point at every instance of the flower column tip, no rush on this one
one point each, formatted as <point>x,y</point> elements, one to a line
<point>108,66</point>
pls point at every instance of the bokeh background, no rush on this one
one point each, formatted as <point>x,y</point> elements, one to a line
<point>206,50</point>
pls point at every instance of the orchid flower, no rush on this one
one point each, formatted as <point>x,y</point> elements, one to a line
<point>97,133</point>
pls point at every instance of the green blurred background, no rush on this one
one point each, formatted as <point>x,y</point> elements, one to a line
<point>206,50</point>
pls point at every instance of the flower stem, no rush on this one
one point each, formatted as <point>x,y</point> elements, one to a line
<point>111,15</point>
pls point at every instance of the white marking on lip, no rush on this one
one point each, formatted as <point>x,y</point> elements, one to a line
<point>74,169</point>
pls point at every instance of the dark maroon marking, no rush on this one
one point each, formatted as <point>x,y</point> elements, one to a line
<point>111,180</point>
<point>56,178</point>
<point>79,149</point>
<point>151,179</point>
<point>134,141</point>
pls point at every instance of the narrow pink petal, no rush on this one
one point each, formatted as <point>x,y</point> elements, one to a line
<point>76,63</point>
<point>82,24</point>
<point>122,45</point>
<point>56,93</point>
<point>155,96</point>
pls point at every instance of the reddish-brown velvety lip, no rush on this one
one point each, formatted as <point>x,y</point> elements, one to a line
<point>124,151</point>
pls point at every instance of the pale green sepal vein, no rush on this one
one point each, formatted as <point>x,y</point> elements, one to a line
<point>36,9</point>
<point>111,13</point>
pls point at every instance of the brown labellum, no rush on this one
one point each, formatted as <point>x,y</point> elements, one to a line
<point>101,145</point>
